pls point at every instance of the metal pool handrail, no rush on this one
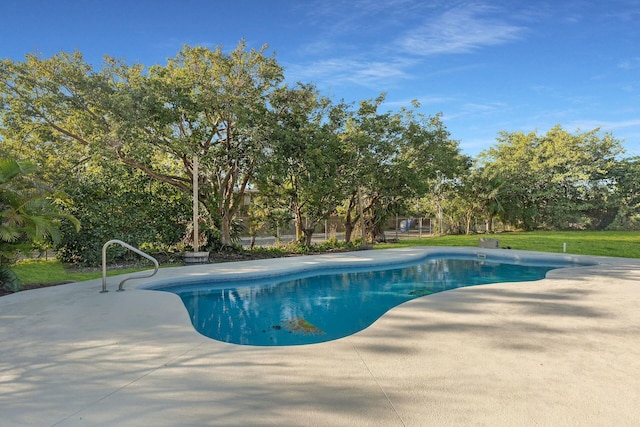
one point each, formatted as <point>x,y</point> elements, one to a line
<point>131,248</point>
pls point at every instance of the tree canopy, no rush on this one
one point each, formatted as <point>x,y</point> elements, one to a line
<point>136,130</point>
<point>551,180</point>
<point>203,102</point>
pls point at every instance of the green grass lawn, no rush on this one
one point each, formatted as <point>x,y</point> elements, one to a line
<point>53,271</point>
<point>603,243</point>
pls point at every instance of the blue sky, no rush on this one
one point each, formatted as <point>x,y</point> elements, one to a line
<point>487,66</point>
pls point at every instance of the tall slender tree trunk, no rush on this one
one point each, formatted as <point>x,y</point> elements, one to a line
<point>348,231</point>
<point>225,230</point>
<point>488,224</point>
<point>468,224</point>
<point>349,223</point>
<point>308,235</point>
<point>299,224</point>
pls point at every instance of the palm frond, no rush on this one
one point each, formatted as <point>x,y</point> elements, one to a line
<point>10,169</point>
<point>8,234</point>
<point>28,209</point>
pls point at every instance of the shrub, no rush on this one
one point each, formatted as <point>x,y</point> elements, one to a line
<point>127,206</point>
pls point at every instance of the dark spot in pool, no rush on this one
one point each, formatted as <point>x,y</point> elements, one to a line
<point>277,327</point>
<point>420,292</point>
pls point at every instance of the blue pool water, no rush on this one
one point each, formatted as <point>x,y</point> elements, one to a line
<point>331,304</point>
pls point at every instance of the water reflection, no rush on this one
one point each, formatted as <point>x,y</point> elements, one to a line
<point>331,305</point>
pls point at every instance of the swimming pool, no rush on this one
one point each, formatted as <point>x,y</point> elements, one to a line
<point>322,305</point>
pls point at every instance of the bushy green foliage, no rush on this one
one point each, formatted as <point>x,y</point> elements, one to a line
<point>554,181</point>
<point>164,253</point>
<point>395,157</point>
<point>213,238</point>
<point>121,204</point>
<point>626,198</point>
<point>330,245</point>
<point>269,251</point>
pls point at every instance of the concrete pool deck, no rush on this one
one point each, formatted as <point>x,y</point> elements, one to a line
<point>561,351</point>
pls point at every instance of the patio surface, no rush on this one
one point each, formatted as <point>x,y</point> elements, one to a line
<point>561,351</point>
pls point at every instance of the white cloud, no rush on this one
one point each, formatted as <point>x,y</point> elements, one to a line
<point>425,100</point>
<point>471,110</point>
<point>338,17</point>
<point>606,125</point>
<point>386,63</point>
<point>339,71</point>
<point>459,30</point>
<point>629,64</point>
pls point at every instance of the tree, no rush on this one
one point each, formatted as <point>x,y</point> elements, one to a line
<point>464,203</point>
<point>553,181</point>
<point>203,102</point>
<point>626,197</point>
<point>394,157</point>
<point>218,107</point>
<point>371,141</point>
<point>305,162</point>
<point>28,215</point>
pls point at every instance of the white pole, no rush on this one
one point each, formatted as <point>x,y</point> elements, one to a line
<point>564,247</point>
<point>196,231</point>
<point>361,208</point>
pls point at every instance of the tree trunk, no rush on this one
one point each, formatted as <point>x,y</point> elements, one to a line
<point>488,224</point>
<point>348,231</point>
<point>349,224</point>
<point>308,234</point>
<point>225,231</point>
<point>299,225</point>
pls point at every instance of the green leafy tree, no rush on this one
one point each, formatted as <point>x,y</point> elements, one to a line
<point>305,163</point>
<point>556,180</point>
<point>464,204</point>
<point>394,157</point>
<point>626,198</point>
<point>484,192</point>
<point>371,141</point>
<point>218,109</point>
<point>464,200</point>
<point>267,215</point>
<point>203,102</point>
